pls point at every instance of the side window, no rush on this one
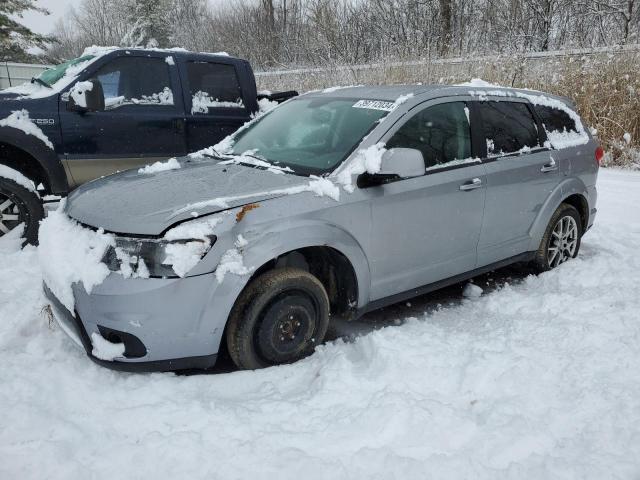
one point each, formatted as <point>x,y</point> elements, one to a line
<point>135,81</point>
<point>441,133</point>
<point>509,127</point>
<point>213,85</point>
<point>555,120</point>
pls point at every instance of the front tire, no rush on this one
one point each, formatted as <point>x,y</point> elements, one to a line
<point>279,318</point>
<point>19,206</point>
<point>561,240</point>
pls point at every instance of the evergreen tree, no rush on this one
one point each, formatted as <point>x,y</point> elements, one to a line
<point>151,27</point>
<point>15,38</point>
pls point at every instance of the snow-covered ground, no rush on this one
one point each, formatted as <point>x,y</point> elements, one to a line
<point>536,378</point>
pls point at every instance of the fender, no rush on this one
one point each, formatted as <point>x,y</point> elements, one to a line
<point>264,248</point>
<point>46,158</point>
<point>566,188</point>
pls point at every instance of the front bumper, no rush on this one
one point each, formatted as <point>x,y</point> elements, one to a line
<point>161,322</point>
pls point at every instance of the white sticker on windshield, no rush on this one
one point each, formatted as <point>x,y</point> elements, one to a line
<point>375,105</point>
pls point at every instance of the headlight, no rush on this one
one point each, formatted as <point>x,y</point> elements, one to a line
<point>155,258</point>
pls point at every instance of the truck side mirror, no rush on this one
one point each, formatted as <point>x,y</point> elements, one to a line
<point>395,164</point>
<point>86,96</point>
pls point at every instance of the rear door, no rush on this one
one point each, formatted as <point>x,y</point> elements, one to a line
<point>426,229</point>
<point>521,174</point>
<point>142,121</point>
<point>216,100</point>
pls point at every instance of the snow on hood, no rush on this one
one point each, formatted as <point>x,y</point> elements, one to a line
<point>148,204</point>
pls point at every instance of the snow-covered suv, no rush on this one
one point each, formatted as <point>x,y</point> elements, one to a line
<point>331,205</point>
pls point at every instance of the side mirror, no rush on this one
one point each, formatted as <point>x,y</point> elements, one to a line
<point>86,96</point>
<point>396,163</point>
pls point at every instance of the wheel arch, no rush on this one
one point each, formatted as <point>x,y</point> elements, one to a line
<point>571,191</point>
<point>310,242</point>
<point>32,158</point>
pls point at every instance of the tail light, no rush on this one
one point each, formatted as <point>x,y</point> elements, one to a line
<point>599,155</point>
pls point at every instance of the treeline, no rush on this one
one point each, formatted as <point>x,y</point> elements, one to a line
<point>277,33</point>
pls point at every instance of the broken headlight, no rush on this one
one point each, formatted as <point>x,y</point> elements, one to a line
<point>142,258</point>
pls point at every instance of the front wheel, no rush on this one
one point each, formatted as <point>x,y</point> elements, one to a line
<point>19,206</point>
<point>561,240</point>
<point>279,318</point>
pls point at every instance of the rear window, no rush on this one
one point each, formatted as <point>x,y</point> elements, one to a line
<point>555,120</point>
<point>213,85</point>
<point>508,127</point>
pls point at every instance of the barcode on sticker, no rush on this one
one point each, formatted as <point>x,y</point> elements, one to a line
<point>375,105</point>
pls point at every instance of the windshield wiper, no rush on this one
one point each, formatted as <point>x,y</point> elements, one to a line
<point>217,154</point>
<point>40,81</point>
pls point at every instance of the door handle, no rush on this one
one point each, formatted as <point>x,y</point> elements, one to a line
<point>471,184</point>
<point>549,167</point>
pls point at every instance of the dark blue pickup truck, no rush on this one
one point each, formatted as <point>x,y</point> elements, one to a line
<point>113,109</point>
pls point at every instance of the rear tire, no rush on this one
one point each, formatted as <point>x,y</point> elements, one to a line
<point>561,240</point>
<point>279,318</point>
<point>19,206</point>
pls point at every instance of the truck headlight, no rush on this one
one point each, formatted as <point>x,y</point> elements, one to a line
<point>134,257</point>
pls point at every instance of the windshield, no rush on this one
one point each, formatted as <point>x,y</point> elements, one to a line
<point>309,135</point>
<point>54,74</point>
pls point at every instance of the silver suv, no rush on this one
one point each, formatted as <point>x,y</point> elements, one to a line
<point>331,205</point>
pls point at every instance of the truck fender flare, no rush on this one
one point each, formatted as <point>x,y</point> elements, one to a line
<point>47,159</point>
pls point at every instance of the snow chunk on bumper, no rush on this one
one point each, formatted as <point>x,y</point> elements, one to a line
<point>104,349</point>
<point>70,253</point>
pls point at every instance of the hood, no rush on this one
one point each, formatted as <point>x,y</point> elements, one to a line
<point>148,204</point>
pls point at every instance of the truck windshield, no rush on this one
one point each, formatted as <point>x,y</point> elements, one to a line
<point>52,75</point>
<point>312,136</point>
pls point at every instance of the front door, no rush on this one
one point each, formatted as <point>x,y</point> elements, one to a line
<point>521,174</point>
<point>426,229</point>
<point>142,122</point>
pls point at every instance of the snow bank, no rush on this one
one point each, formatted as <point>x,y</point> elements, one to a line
<point>536,379</point>
<point>366,160</point>
<point>20,120</point>
<point>70,253</point>
<point>20,179</point>
<point>171,164</point>
<point>105,350</point>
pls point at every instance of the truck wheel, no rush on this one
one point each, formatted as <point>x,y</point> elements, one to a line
<point>561,240</point>
<point>19,206</point>
<point>279,318</point>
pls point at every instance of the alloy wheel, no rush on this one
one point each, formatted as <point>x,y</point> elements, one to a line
<point>563,241</point>
<point>11,215</point>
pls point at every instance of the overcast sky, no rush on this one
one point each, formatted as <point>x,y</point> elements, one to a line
<point>44,23</point>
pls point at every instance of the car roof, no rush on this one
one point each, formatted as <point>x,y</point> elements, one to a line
<point>391,93</point>
<point>177,52</point>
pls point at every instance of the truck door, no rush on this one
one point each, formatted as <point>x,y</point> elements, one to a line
<point>214,100</point>
<point>143,120</point>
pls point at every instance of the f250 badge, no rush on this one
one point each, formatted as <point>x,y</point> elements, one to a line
<point>43,121</point>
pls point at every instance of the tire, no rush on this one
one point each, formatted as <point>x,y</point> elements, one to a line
<point>19,205</point>
<point>549,256</point>
<point>279,318</point>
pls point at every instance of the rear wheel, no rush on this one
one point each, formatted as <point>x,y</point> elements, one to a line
<point>561,240</point>
<point>279,318</point>
<point>19,206</point>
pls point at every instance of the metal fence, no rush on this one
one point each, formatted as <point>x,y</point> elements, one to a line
<point>12,74</point>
